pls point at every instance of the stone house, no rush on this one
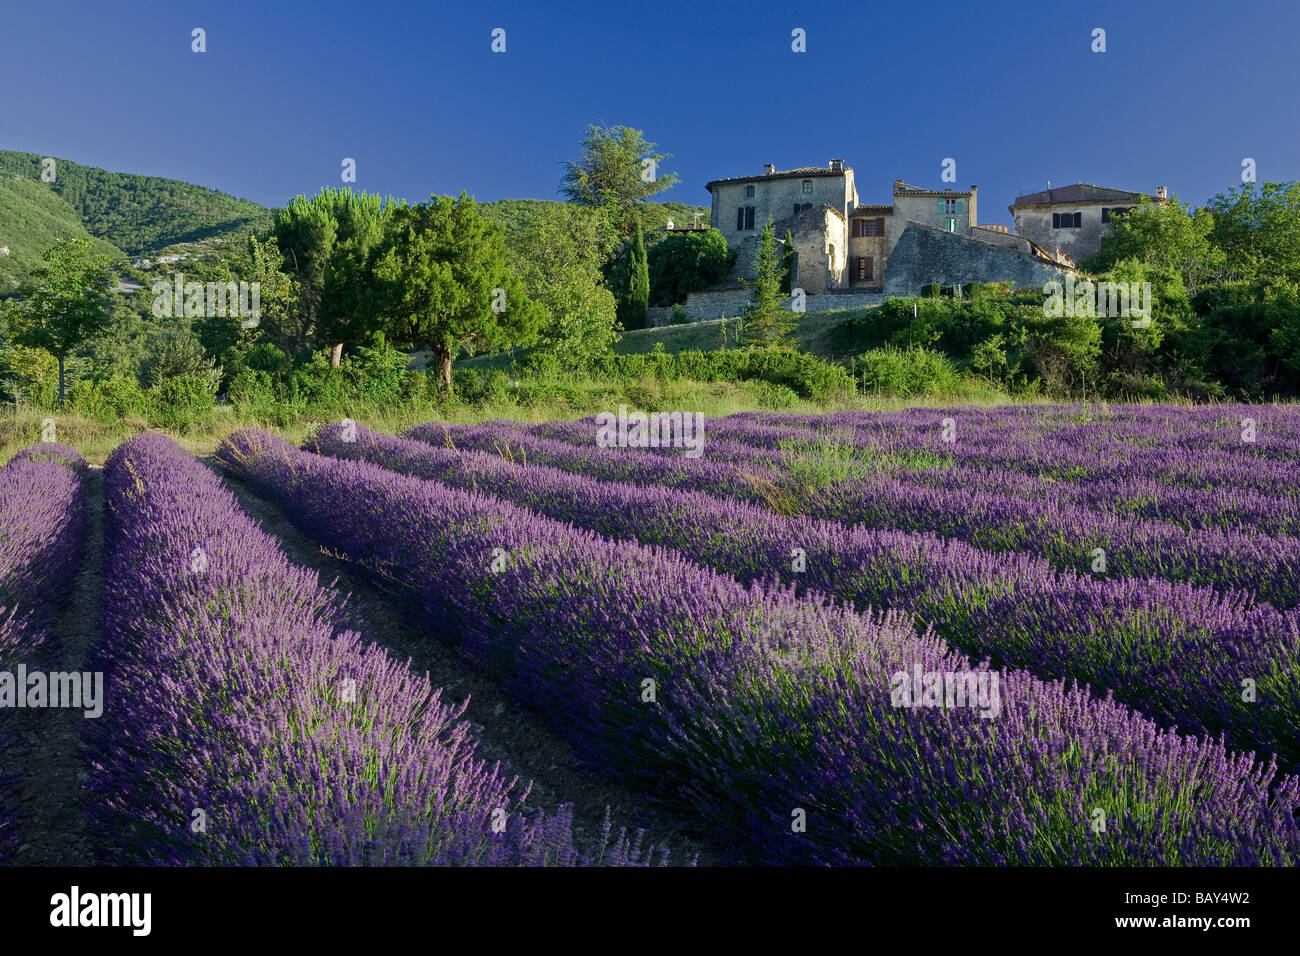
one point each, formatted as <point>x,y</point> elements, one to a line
<point>842,245</point>
<point>1071,220</point>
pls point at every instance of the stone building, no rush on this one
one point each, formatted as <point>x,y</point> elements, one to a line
<point>850,253</point>
<point>1071,220</point>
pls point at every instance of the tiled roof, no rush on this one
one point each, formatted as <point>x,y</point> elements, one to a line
<point>805,172</point>
<point>903,189</point>
<point>867,209</point>
<point>1077,193</point>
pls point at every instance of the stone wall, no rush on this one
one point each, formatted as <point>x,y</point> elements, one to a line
<point>925,254</point>
<point>729,303</point>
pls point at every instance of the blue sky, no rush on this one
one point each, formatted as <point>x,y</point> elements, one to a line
<point>412,91</point>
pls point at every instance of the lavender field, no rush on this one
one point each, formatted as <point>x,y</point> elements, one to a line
<point>1061,635</point>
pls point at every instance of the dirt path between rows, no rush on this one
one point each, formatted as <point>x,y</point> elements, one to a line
<point>507,731</point>
<point>53,826</point>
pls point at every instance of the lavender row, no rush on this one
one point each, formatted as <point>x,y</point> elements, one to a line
<point>1176,652</point>
<point>42,530</point>
<point>753,708</point>
<point>247,726</point>
<point>1067,535</point>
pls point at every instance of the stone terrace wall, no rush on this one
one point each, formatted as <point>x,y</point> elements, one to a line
<point>924,254</point>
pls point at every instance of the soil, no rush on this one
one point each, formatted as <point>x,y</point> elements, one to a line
<point>53,825</point>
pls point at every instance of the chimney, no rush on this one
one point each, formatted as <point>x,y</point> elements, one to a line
<point>837,165</point>
<point>768,169</point>
<point>1162,192</point>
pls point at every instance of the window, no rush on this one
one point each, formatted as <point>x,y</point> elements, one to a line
<point>868,227</point>
<point>866,269</point>
<point>1108,214</point>
<point>807,186</point>
<point>749,192</point>
<point>744,218</point>
<point>950,224</point>
<point>804,208</point>
<point>950,205</point>
<point>1067,220</point>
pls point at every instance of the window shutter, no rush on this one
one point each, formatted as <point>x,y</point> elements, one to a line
<point>1078,220</point>
<point>740,218</point>
<point>959,205</point>
<point>1056,220</point>
<point>941,205</point>
<point>880,226</point>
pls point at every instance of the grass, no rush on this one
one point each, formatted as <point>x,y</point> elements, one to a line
<point>96,438</point>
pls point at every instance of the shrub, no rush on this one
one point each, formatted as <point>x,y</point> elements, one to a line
<point>181,402</point>
<point>110,398</point>
<point>908,371</point>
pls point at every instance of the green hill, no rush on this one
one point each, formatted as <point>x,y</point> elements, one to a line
<point>32,217</point>
<point>140,214</point>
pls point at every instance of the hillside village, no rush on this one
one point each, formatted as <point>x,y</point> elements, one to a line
<point>849,254</point>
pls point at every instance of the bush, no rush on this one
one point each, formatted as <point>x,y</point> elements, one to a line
<point>481,387</point>
<point>679,316</point>
<point>806,375</point>
<point>181,402</point>
<point>908,371</point>
<point>109,399</point>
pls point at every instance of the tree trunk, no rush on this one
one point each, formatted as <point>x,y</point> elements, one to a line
<point>60,379</point>
<point>442,360</point>
<point>336,355</point>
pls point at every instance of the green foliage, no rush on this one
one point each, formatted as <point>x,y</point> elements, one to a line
<point>140,214</point>
<point>179,354</point>
<point>109,399</point>
<point>1258,231</point>
<point>481,387</point>
<point>805,375</point>
<point>631,278</point>
<point>1163,236</point>
<point>560,259</point>
<point>32,219</point>
<point>327,242</point>
<point>180,402</point>
<point>443,280</point>
<point>906,372</point>
<point>766,323</point>
<point>611,170</point>
<point>787,263</point>
<point>516,216</point>
<point>679,316</point>
<point>64,303</point>
<point>684,262</point>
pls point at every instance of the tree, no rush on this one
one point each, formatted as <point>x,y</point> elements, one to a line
<point>179,354</point>
<point>1259,231</point>
<point>1163,236</point>
<point>787,262</point>
<point>619,169</point>
<point>65,303</point>
<point>632,283</point>
<point>560,259</point>
<point>766,323</point>
<point>442,280</point>
<point>326,242</point>
<point>684,262</point>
